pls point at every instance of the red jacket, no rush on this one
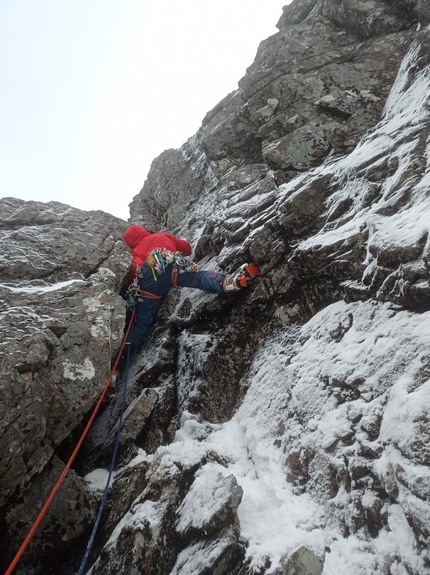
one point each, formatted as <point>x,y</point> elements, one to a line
<point>143,242</point>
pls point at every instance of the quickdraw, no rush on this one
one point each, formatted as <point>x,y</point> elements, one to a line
<point>159,259</point>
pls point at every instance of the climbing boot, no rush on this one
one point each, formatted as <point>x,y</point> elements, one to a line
<point>240,278</point>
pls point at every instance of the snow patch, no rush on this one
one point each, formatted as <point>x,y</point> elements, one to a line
<point>41,289</point>
<point>97,479</point>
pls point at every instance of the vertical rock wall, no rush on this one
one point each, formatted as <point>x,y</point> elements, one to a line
<point>282,429</point>
<point>316,168</point>
<point>60,272</point>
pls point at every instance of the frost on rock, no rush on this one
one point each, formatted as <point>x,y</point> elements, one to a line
<point>211,497</point>
<point>193,353</point>
<point>202,558</point>
<point>284,428</point>
<point>301,418</point>
<point>323,418</point>
<point>155,535</point>
<point>60,270</point>
<point>328,442</point>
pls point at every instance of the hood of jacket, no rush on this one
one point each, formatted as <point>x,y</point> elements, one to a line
<point>134,234</point>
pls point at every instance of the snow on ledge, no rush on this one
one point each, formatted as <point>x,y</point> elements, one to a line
<point>41,289</point>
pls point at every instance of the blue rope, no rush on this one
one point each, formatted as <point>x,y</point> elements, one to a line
<point>112,465</point>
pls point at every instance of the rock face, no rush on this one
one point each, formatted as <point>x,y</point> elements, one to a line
<point>61,270</point>
<point>283,429</point>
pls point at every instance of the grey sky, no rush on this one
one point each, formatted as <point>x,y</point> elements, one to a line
<point>93,90</point>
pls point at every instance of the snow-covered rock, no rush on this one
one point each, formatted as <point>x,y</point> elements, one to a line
<point>283,429</point>
<point>329,423</point>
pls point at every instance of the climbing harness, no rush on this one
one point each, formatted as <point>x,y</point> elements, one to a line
<point>160,258</point>
<point>71,459</point>
<point>135,294</point>
<point>111,469</point>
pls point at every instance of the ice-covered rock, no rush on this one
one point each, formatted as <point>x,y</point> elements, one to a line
<point>284,428</point>
<point>183,521</point>
<point>321,158</point>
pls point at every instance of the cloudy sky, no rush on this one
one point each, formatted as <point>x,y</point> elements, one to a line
<point>93,90</point>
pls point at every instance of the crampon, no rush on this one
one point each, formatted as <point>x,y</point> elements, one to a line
<point>246,273</point>
<point>241,277</point>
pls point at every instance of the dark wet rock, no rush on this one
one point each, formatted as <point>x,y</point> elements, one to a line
<point>135,418</point>
<point>77,503</point>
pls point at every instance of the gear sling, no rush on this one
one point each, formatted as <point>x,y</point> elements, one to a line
<point>148,291</point>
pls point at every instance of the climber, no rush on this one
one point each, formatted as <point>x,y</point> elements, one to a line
<point>160,262</point>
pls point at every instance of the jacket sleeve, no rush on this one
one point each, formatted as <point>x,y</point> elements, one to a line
<point>182,246</point>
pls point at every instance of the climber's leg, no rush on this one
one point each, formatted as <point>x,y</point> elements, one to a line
<point>146,313</point>
<point>205,280</point>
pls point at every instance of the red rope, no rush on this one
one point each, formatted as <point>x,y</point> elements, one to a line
<point>72,457</point>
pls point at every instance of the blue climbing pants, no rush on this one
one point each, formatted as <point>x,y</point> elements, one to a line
<point>147,307</point>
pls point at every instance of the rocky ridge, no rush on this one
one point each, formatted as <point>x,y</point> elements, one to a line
<point>283,429</point>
